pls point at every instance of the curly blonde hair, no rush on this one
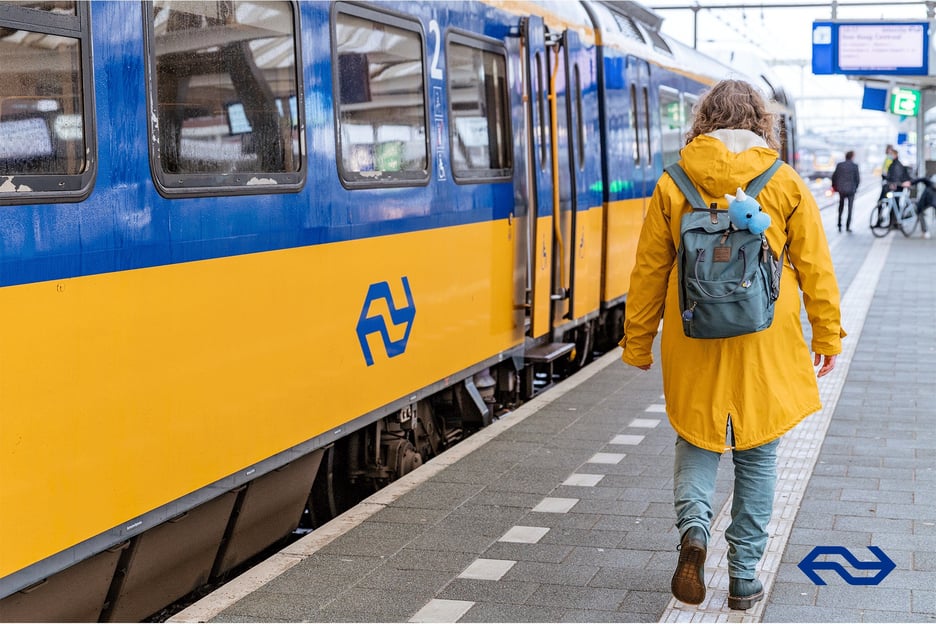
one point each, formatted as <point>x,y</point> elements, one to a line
<point>734,104</point>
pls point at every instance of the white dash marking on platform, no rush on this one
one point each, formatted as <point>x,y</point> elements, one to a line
<point>627,439</point>
<point>442,611</point>
<point>645,423</point>
<point>524,534</point>
<point>583,479</point>
<point>487,569</point>
<point>606,458</point>
<point>556,505</point>
<point>656,407</point>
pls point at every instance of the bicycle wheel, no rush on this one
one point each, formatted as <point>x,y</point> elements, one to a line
<point>881,218</point>
<point>907,220</point>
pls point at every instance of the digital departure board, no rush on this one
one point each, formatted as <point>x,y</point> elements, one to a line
<point>870,48</point>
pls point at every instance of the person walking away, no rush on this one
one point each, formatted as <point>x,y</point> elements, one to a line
<point>845,181</point>
<point>743,392</point>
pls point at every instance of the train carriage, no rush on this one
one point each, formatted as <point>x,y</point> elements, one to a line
<point>258,258</point>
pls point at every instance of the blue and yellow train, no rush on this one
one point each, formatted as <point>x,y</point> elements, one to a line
<point>258,257</point>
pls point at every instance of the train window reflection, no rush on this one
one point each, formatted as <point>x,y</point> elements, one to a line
<point>671,124</point>
<point>478,112</point>
<point>41,108</point>
<point>63,7</point>
<point>226,89</point>
<point>381,110</point>
<point>635,124</point>
<point>646,124</point>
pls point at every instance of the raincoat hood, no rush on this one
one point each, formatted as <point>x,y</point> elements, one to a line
<point>723,160</point>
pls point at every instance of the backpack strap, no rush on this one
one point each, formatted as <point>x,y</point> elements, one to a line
<point>756,185</point>
<point>681,178</point>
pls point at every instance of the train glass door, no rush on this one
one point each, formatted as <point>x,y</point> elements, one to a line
<point>584,253</point>
<point>562,182</point>
<point>638,79</point>
<point>536,180</point>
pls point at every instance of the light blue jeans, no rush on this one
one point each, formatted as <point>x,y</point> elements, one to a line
<point>755,478</point>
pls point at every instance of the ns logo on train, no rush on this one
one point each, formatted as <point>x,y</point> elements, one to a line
<point>377,323</point>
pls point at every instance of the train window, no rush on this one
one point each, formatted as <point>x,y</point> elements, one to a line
<point>671,124</point>
<point>627,26</point>
<point>478,108</point>
<point>226,99</point>
<point>688,103</point>
<point>646,112</point>
<point>60,7</point>
<point>380,97</point>
<point>580,120</point>
<point>46,102</point>
<point>635,123</point>
<point>540,96</point>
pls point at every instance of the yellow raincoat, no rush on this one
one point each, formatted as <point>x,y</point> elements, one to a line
<point>765,382</point>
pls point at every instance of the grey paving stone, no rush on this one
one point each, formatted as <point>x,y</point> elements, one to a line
<point>551,573</point>
<point>648,602</point>
<point>452,540</point>
<point>407,582</point>
<point>610,557</point>
<point>787,613</point>
<point>421,559</point>
<point>501,612</point>
<point>591,598</point>
<point>879,597</point>
<point>368,605</point>
<point>372,539</point>
<point>548,553</point>
<point>588,537</point>
<point>502,591</point>
<point>635,579</point>
<point>341,570</point>
<point>438,495</point>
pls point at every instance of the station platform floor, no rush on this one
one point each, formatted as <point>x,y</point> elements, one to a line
<point>562,510</point>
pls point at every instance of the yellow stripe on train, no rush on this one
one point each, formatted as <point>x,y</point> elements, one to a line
<point>224,363</point>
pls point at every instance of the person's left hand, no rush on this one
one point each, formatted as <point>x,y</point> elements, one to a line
<point>828,363</point>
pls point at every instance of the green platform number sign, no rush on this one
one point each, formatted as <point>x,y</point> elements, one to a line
<point>905,102</point>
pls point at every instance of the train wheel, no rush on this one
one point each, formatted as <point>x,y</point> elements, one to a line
<point>402,457</point>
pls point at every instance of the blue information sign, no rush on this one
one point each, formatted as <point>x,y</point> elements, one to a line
<point>870,48</point>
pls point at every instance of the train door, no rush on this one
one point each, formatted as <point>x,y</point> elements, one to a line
<point>563,176</point>
<point>638,80</point>
<point>552,174</point>
<point>581,120</point>
<point>535,180</point>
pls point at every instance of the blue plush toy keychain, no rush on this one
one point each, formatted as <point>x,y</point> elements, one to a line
<point>746,214</point>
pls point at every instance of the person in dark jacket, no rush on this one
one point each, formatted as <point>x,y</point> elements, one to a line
<point>897,174</point>
<point>845,181</point>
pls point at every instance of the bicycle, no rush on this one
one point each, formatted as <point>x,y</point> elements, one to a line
<point>895,211</point>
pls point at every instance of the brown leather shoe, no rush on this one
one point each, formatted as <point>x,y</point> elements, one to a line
<point>744,593</point>
<point>688,584</point>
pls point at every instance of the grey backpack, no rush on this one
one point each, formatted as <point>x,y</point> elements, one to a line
<point>728,278</point>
